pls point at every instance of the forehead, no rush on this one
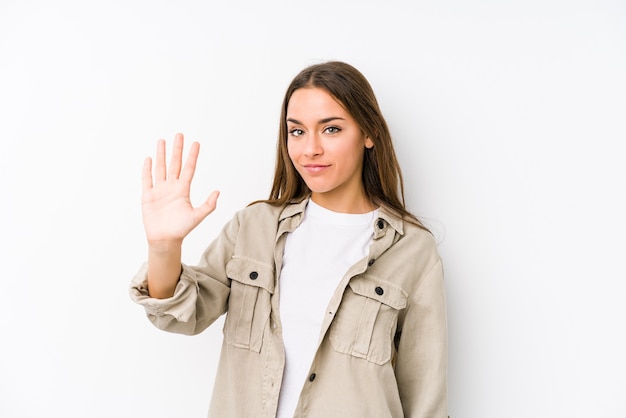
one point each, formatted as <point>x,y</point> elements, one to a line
<point>312,103</point>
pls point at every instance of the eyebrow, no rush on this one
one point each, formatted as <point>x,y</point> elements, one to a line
<point>321,121</point>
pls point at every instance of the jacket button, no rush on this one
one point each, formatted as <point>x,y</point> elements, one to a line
<point>312,377</point>
<point>372,261</point>
<point>379,291</point>
<point>254,275</point>
<point>380,224</point>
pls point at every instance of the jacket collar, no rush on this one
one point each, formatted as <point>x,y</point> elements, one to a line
<point>385,214</point>
<point>292,209</point>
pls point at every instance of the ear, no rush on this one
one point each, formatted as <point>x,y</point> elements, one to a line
<point>369,144</point>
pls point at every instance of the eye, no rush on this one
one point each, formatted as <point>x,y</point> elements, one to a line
<point>296,132</point>
<point>332,130</point>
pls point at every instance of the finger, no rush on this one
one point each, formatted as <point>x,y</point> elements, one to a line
<point>190,164</point>
<point>207,207</point>
<point>146,175</point>
<point>160,169</point>
<point>177,157</point>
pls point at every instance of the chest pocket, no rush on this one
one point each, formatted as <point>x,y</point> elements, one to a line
<point>366,320</point>
<point>251,288</point>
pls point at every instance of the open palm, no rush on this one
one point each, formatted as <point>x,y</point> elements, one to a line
<point>168,214</point>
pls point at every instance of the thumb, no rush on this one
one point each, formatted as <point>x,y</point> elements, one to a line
<point>208,206</point>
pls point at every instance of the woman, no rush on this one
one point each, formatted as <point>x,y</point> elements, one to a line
<point>333,292</point>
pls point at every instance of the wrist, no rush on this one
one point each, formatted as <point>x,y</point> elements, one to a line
<point>164,247</point>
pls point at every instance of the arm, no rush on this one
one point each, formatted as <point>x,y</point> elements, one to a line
<point>422,362</point>
<point>178,298</point>
<point>168,215</point>
<point>201,292</point>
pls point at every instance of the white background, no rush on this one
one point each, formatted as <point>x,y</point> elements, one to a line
<point>509,122</point>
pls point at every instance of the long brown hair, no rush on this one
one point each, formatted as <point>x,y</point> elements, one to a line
<point>381,176</point>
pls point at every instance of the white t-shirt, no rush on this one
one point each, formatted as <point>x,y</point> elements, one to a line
<point>317,255</point>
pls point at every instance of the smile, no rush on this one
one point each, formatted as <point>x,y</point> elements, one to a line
<point>315,168</point>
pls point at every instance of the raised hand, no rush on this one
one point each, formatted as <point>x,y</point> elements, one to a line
<point>168,215</point>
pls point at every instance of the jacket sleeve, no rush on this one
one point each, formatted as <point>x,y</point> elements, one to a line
<point>422,359</point>
<point>201,295</point>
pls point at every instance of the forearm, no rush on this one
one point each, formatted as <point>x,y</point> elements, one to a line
<point>164,268</point>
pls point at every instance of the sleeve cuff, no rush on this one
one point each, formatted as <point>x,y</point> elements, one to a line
<point>180,306</point>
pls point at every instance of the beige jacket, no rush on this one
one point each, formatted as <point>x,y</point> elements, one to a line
<point>383,345</point>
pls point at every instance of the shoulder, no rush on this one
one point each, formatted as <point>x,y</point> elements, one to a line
<point>410,239</point>
<point>266,211</point>
<point>419,236</point>
<point>265,217</point>
<point>417,247</point>
<point>414,250</point>
<point>258,217</point>
<point>414,262</point>
<point>260,209</point>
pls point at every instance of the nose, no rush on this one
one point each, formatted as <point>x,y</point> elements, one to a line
<point>313,146</point>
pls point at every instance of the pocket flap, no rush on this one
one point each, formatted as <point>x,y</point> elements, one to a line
<point>251,273</point>
<point>380,290</point>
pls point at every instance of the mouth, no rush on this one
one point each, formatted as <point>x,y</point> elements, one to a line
<point>315,168</point>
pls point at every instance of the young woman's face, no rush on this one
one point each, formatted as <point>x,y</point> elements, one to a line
<point>326,146</point>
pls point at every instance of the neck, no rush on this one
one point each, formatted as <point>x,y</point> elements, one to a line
<point>344,203</point>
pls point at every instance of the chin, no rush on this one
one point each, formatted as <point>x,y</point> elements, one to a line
<point>319,189</point>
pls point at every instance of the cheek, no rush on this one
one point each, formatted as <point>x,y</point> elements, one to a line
<point>351,154</point>
<point>292,150</point>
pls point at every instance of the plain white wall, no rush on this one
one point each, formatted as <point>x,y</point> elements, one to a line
<point>509,121</point>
